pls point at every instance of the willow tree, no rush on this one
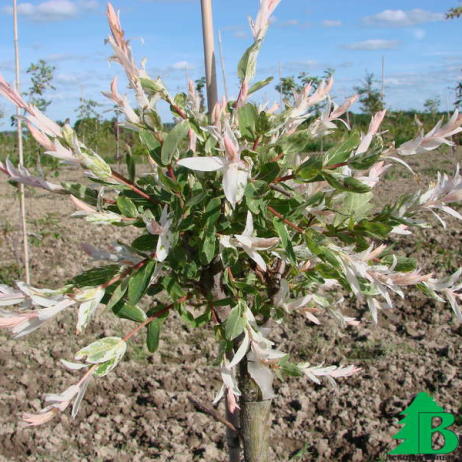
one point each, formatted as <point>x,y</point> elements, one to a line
<point>239,228</point>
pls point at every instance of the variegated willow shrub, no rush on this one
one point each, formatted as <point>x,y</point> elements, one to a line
<point>239,226</point>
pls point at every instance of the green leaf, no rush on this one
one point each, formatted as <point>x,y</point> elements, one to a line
<point>247,116</point>
<point>172,142</point>
<point>149,140</point>
<point>131,167</point>
<point>427,291</point>
<point>180,99</point>
<point>117,295</point>
<point>369,158</point>
<point>153,334</point>
<point>310,169</point>
<point>106,367</point>
<point>95,276</point>
<point>209,246</point>
<point>130,312</point>
<point>139,282</point>
<point>285,239</point>
<point>290,369</point>
<point>152,86</point>
<point>212,212</point>
<point>172,287</point>
<point>88,195</point>
<point>294,143</point>
<point>235,323</point>
<point>196,199</point>
<point>103,350</point>
<point>269,171</point>
<point>251,198</point>
<point>375,229</point>
<point>263,126</point>
<point>355,206</point>
<point>403,264</point>
<point>127,207</point>
<point>168,184</point>
<point>286,207</point>
<point>144,243</point>
<point>210,143</point>
<point>247,64</point>
<point>364,161</point>
<point>342,151</point>
<point>345,183</point>
<point>258,85</point>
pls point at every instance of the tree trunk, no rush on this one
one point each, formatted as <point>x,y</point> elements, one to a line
<point>234,444</point>
<point>255,418</point>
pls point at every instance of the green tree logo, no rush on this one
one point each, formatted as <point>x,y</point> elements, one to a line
<point>419,428</point>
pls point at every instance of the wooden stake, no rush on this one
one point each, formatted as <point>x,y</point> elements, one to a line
<point>22,201</point>
<point>209,54</point>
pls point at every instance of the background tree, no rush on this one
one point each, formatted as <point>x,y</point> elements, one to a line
<point>455,12</point>
<point>431,105</point>
<point>88,120</point>
<point>370,96</point>
<point>200,85</point>
<point>290,85</point>
<point>41,76</point>
<point>458,101</point>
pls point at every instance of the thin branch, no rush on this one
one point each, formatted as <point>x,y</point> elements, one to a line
<point>334,166</point>
<point>130,269</point>
<point>171,173</point>
<point>117,176</point>
<point>179,111</point>
<point>278,157</point>
<point>152,318</point>
<point>212,413</point>
<point>279,190</point>
<point>284,178</point>
<point>287,222</point>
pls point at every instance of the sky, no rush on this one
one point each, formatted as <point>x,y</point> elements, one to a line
<point>420,49</point>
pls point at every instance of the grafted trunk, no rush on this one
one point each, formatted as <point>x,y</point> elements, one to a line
<point>232,437</point>
<point>255,418</point>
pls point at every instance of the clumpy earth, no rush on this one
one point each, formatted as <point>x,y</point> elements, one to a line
<point>141,412</point>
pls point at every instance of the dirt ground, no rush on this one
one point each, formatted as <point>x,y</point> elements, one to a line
<point>141,412</point>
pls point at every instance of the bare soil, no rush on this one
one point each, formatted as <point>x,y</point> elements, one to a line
<point>141,412</point>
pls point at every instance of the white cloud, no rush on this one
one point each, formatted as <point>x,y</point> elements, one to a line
<point>331,23</point>
<point>7,65</point>
<point>289,22</point>
<point>60,57</point>
<point>182,65</point>
<point>288,67</point>
<point>237,31</point>
<point>53,10</point>
<point>419,34</point>
<point>373,44</point>
<point>240,33</point>
<point>401,18</point>
<point>67,78</point>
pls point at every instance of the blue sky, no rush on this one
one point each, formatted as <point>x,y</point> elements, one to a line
<point>421,50</point>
